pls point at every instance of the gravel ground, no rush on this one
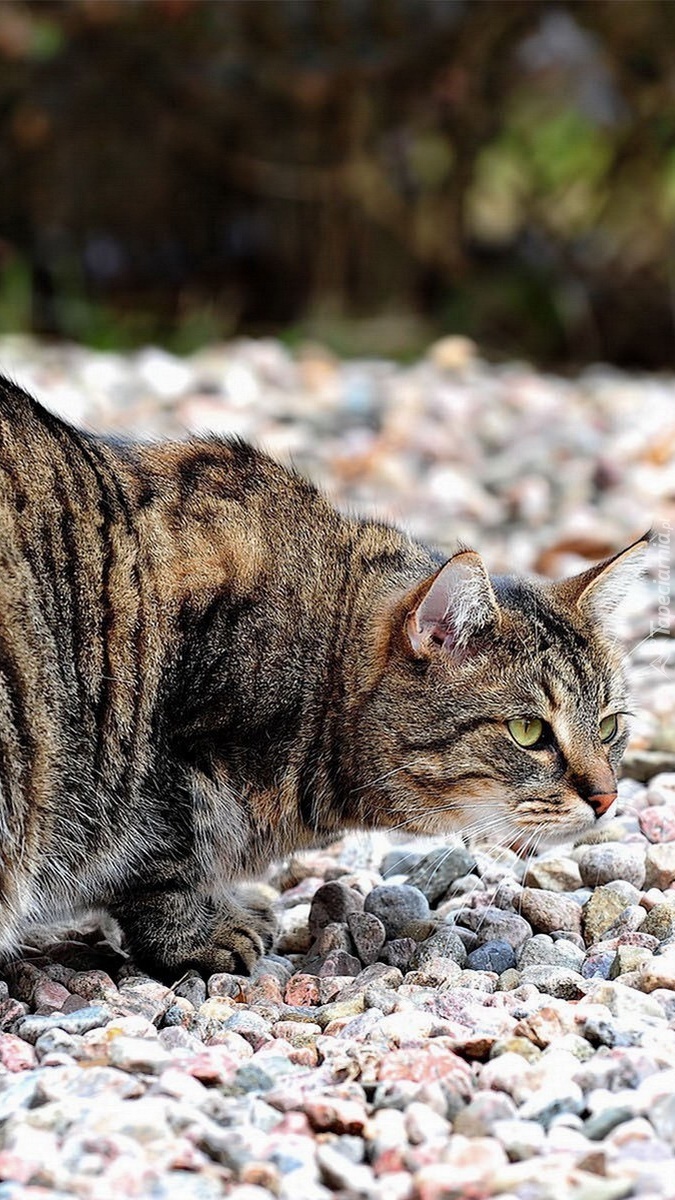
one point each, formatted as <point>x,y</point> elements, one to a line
<point>437,1021</point>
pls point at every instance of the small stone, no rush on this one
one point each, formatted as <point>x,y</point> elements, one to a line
<point>303,990</point>
<point>331,937</point>
<point>49,996</point>
<point>139,1054</point>
<point>509,980</point>
<point>660,865</point>
<point>368,934</point>
<point>398,952</point>
<point>31,1027</point>
<point>339,963</point>
<point>661,788</point>
<point>496,956</point>
<point>92,985</point>
<point>629,958</point>
<point>555,981</point>
<point>338,1172</point>
<point>658,971</point>
<point>597,964</point>
<point>332,903</point>
<point>551,1099</point>
<point>249,1025</point>
<point>610,861</point>
<point>436,871</point>
<point>542,949</point>
<point>547,911</point>
<point>643,765</point>
<point>193,988</point>
<point>554,875</point>
<point>480,1115</point>
<point>522,1140</point>
<point>660,922</point>
<point>396,905</point>
<point>597,1126</point>
<point>399,862</point>
<point>16,1054</point>
<point>658,824</point>
<point>453,354</point>
<point>444,943</point>
<point>601,911</point>
<point>423,1124</point>
<point>330,1113</point>
<point>629,921</point>
<point>495,925</point>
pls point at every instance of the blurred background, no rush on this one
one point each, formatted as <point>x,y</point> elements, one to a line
<point>370,173</point>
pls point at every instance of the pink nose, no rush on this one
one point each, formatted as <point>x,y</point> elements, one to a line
<point>601,801</point>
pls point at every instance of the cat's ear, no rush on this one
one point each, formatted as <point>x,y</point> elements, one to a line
<point>456,607</point>
<point>600,590</point>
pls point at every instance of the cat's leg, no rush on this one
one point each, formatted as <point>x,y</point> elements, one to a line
<point>173,929</point>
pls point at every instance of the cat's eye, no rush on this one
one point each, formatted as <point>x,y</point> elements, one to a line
<point>526,731</point>
<point>608,727</point>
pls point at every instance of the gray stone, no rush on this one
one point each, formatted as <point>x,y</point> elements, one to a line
<point>555,981</point>
<point>396,906</point>
<point>543,950</point>
<point>332,902</point>
<point>368,935</point>
<point>597,964</point>
<point>496,956</point>
<point>644,764</point>
<point>551,1100</point>
<point>612,861</point>
<point>339,963</point>
<point>444,943</point>
<point>495,925</point>
<point>398,952</point>
<point>399,862</point>
<point>434,873</point>
<point>32,1027</point>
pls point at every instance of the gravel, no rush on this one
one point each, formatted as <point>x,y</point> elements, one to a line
<point>436,1020</point>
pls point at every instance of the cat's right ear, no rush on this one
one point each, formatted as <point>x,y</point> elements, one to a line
<point>455,610</point>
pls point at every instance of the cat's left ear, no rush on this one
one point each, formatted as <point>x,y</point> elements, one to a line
<point>599,591</point>
<point>457,607</point>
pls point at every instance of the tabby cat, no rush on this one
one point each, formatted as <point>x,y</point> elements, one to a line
<point>204,666</point>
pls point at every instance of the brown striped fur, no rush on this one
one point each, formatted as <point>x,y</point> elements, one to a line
<point>204,666</point>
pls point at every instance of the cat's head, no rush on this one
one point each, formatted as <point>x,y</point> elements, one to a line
<point>502,706</point>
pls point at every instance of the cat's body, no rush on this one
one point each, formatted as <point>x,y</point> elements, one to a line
<point>204,666</point>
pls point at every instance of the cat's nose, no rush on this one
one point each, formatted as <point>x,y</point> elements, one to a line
<point>601,801</point>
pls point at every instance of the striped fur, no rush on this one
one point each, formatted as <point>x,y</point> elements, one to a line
<point>204,666</point>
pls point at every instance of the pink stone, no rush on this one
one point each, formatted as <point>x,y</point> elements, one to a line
<point>389,1160</point>
<point>15,1054</point>
<point>49,997</point>
<point>424,1064</point>
<point>658,824</point>
<point>15,1168</point>
<point>215,1065</point>
<point>303,990</point>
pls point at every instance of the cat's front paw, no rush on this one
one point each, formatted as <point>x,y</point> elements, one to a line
<point>240,935</point>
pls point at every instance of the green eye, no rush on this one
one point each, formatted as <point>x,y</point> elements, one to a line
<point>608,728</point>
<point>526,731</point>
